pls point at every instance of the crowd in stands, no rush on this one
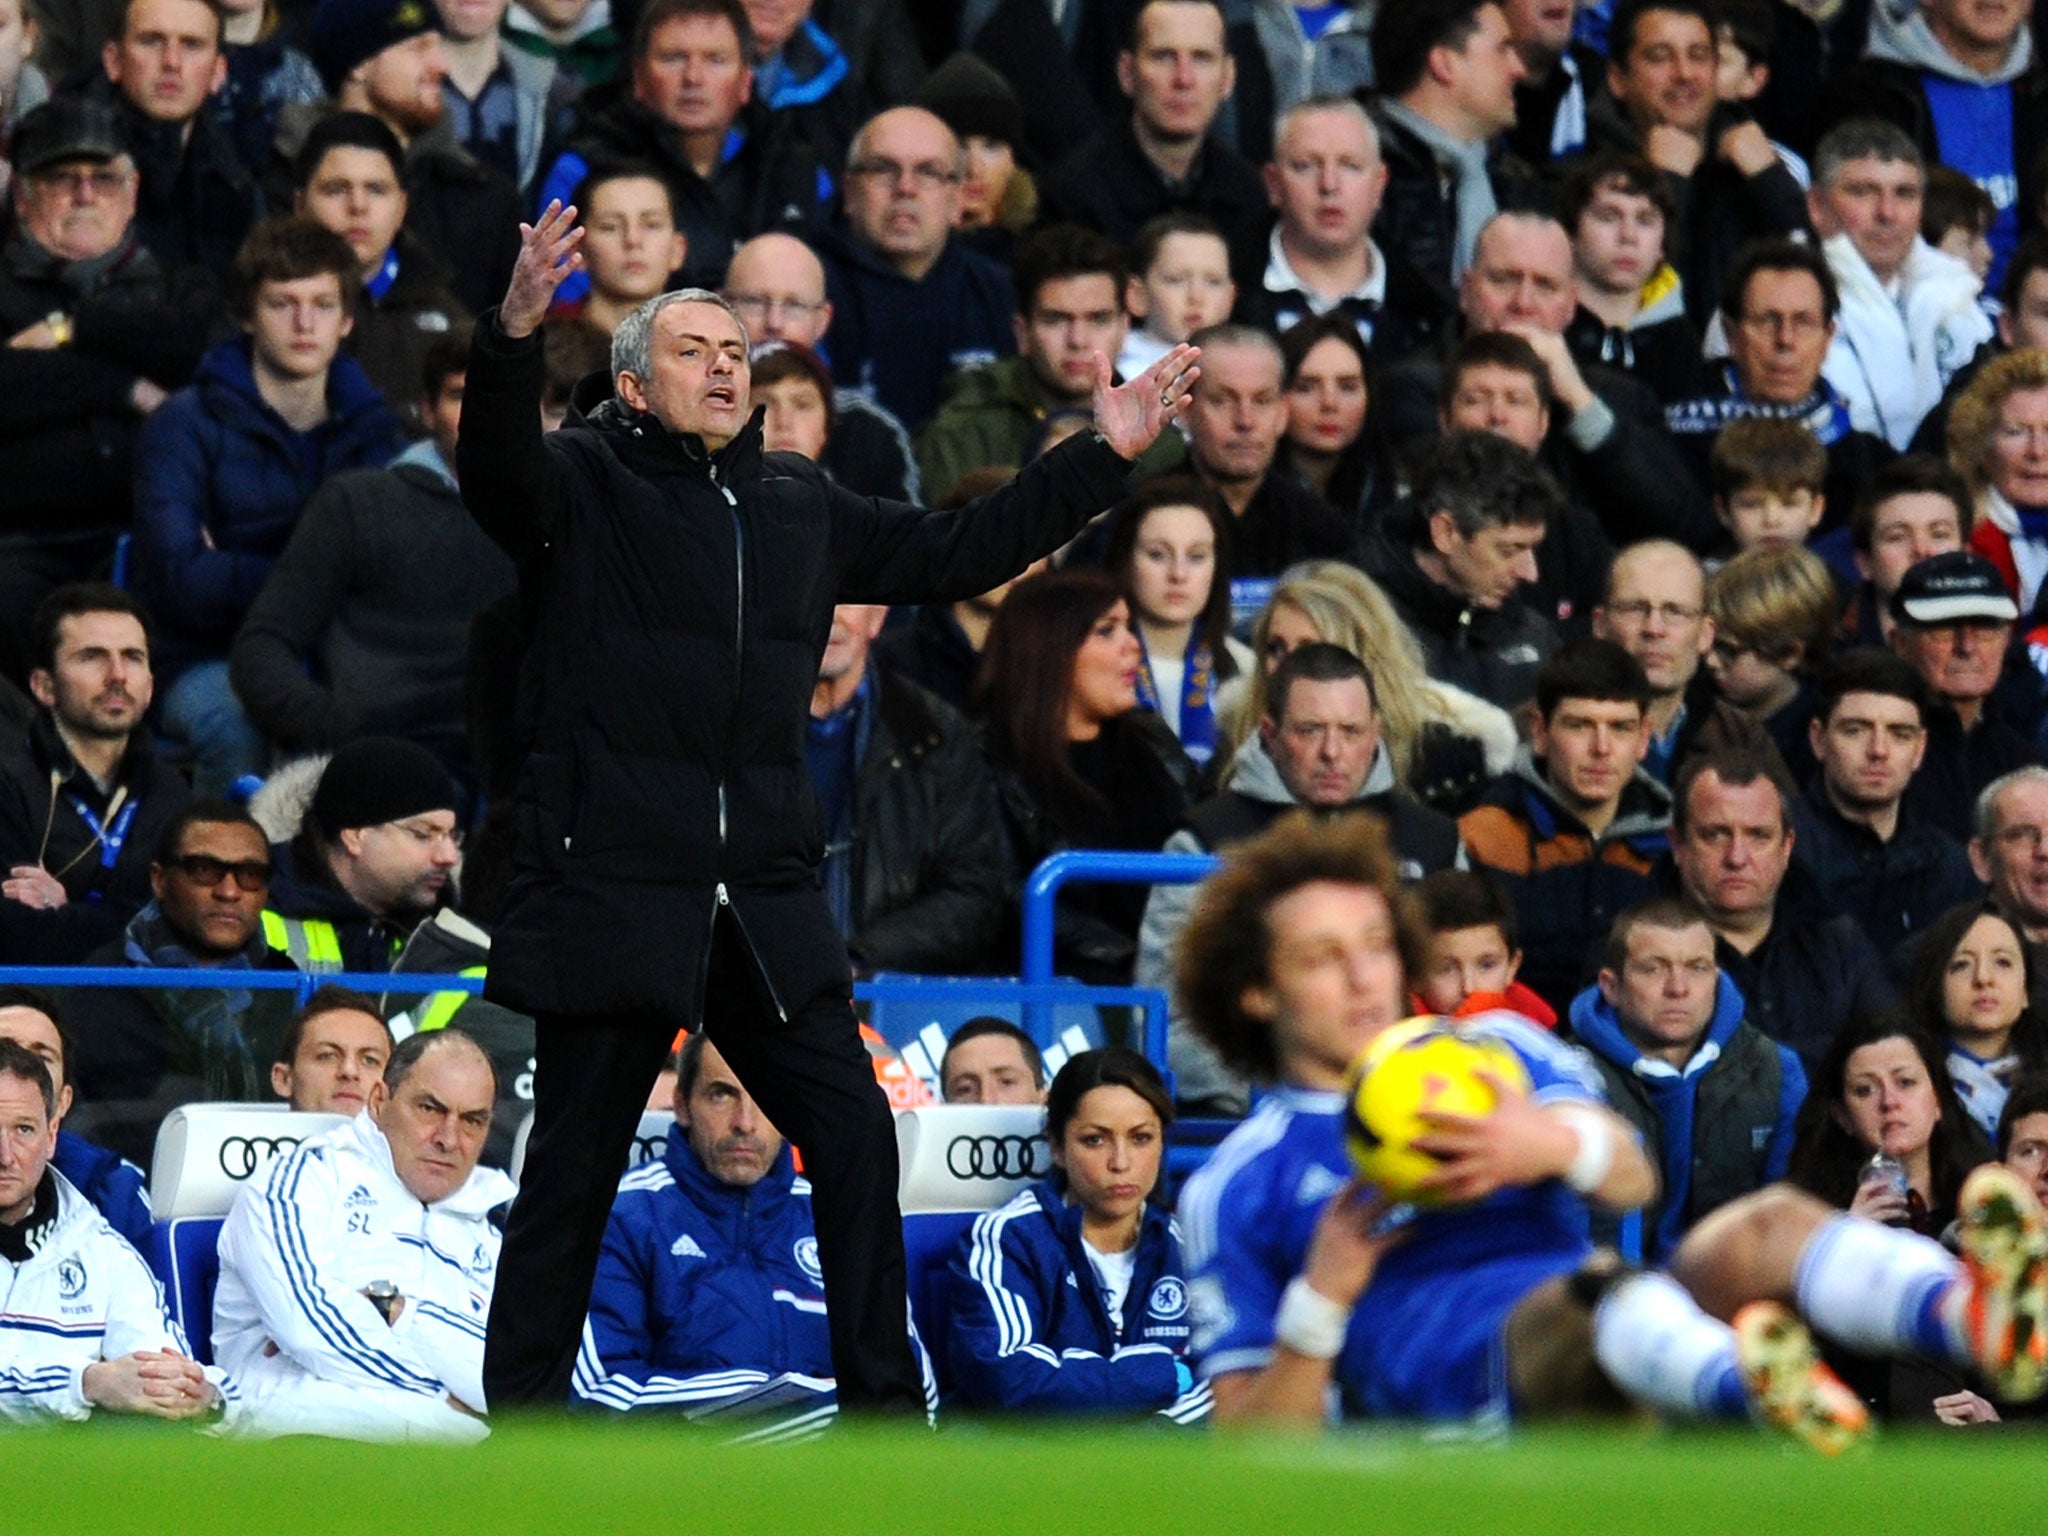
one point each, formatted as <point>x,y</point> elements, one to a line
<point>1618,468</point>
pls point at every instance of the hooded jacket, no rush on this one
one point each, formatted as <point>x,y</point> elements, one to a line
<point>1895,352</point>
<point>678,602</point>
<point>114,1185</point>
<point>1659,346</point>
<point>1568,884</point>
<point>1288,65</point>
<point>290,1322</point>
<point>82,1295</point>
<point>1890,83</point>
<point>362,627</point>
<point>1255,796</point>
<point>991,413</point>
<point>1719,1127</point>
<point>221,482</point>
<point>705,1291</point>
<point>1029,1330</point>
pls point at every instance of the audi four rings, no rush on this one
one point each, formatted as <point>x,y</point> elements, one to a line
<point>998,1157</point>
<point>240,1156</point>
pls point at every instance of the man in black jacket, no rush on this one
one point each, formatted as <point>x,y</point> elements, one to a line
<point>82,798</point>
<point>1162,157</point>
<point>1481,508</point>
<point>681,585</point>
<point>197,201</point>
<point>916,868</point>
<point>97,335</point>
<point>1803,976</point>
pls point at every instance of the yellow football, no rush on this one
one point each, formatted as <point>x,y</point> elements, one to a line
<point>1419,1064</point>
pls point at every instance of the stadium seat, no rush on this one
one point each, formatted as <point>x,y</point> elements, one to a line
<point>647,1140</point>
<point>957,1161</point>
<point>205,1153</point>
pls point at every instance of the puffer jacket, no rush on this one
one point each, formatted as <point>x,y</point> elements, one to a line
<point>220,482</point>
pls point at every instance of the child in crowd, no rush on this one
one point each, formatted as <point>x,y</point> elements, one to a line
<point>1775,612</point>
<point>1745,37</point>
<point>1955,217</point>
<point>1180,282</point>
<point>1474,950</point>
<point>1768,474</point>
<point>631,244</point>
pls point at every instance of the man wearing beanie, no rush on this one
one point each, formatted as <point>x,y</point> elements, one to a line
<point>196,201</point>
<point>387,58</point>
<point>373,858</point>
<point>681,584</point>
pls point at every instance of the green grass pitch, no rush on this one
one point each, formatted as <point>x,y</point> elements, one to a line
<point>974,1479</point>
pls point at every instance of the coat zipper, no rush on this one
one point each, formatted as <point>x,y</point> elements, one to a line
<point>739,641</point>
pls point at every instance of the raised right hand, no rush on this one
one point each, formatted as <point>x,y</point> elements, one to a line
<point>547,255</point>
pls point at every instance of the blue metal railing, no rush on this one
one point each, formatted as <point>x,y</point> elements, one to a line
<point>410,983</point>
<point>1095,866</point>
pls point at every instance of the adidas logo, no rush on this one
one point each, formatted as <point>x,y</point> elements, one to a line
<point>685,1247</point>
<point>358,1198</point>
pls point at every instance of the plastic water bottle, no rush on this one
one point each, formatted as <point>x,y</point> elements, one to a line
<point>1890,1174</point>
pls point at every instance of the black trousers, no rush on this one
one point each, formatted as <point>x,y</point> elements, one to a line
<point>811,1076</point>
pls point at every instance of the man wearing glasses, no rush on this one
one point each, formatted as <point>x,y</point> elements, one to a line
<point>776,285</point>
<point>374,857</point>
<point>93,345</point>
<point>149,1049</point>
<point>1656,610</point>
<point>909,302</point>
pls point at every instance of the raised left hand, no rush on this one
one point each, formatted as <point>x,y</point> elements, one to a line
<point>1130,416</point>
<point>1518,1144</point>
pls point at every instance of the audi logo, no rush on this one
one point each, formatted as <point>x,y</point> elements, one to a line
<point>998,1157</point>
<point>241,1156</point>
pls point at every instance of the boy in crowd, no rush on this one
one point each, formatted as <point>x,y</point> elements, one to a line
<point>631,243</point>
<point>1619,211</point>
<point>1769,476</point>
<point>1473,949</point>
<point>1774,613</point>
<point>1179,283</point>
<point>1955,217</point>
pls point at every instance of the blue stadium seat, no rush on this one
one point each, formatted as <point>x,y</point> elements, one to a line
<point>930,1239</point>
<point>185,1253</point>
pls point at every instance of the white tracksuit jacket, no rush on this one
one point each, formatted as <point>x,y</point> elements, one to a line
<point>83,1296</point>
<point>306,1348</point>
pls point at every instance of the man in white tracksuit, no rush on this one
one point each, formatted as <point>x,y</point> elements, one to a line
<point>356,1274</point>
<point>82,1320</point>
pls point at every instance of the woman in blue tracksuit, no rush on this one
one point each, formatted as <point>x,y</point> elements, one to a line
<point>1073,1297</point>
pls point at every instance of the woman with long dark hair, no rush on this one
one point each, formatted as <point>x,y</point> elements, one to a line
<point>1330,445</point>
<point>1079,764</point>
<point>1168,548</point>
<point>1970,987</point>
<point>1885,1087</point>
<point>1073,1297</point>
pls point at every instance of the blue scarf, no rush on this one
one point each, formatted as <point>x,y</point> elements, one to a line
<point>1824,413</point>
<point>2033,523</point>
<point>1197,696</point>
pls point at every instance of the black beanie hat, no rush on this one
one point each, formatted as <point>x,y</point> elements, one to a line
<point>969,97</point>
<point>346,32</point>
<point>377,779</point>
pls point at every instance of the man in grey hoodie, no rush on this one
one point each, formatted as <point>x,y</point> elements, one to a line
<point>1318,746</point>
<point>1958,76</point>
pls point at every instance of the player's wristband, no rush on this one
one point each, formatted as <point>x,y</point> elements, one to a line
<point>1309,1323</point>
<point>1597,1146</point>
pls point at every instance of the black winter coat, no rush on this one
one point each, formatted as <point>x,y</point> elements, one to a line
<point>678,604</point>
<point>931,869</point>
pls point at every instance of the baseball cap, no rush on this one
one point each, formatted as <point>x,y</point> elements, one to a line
<point>1956,585</point>
<point>65,128</point>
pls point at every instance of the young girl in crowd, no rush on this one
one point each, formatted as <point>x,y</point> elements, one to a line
<point>1330,446</point>
<point>1168,548</point>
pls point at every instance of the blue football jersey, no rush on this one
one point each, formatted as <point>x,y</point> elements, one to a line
<point>1425,1339</point>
